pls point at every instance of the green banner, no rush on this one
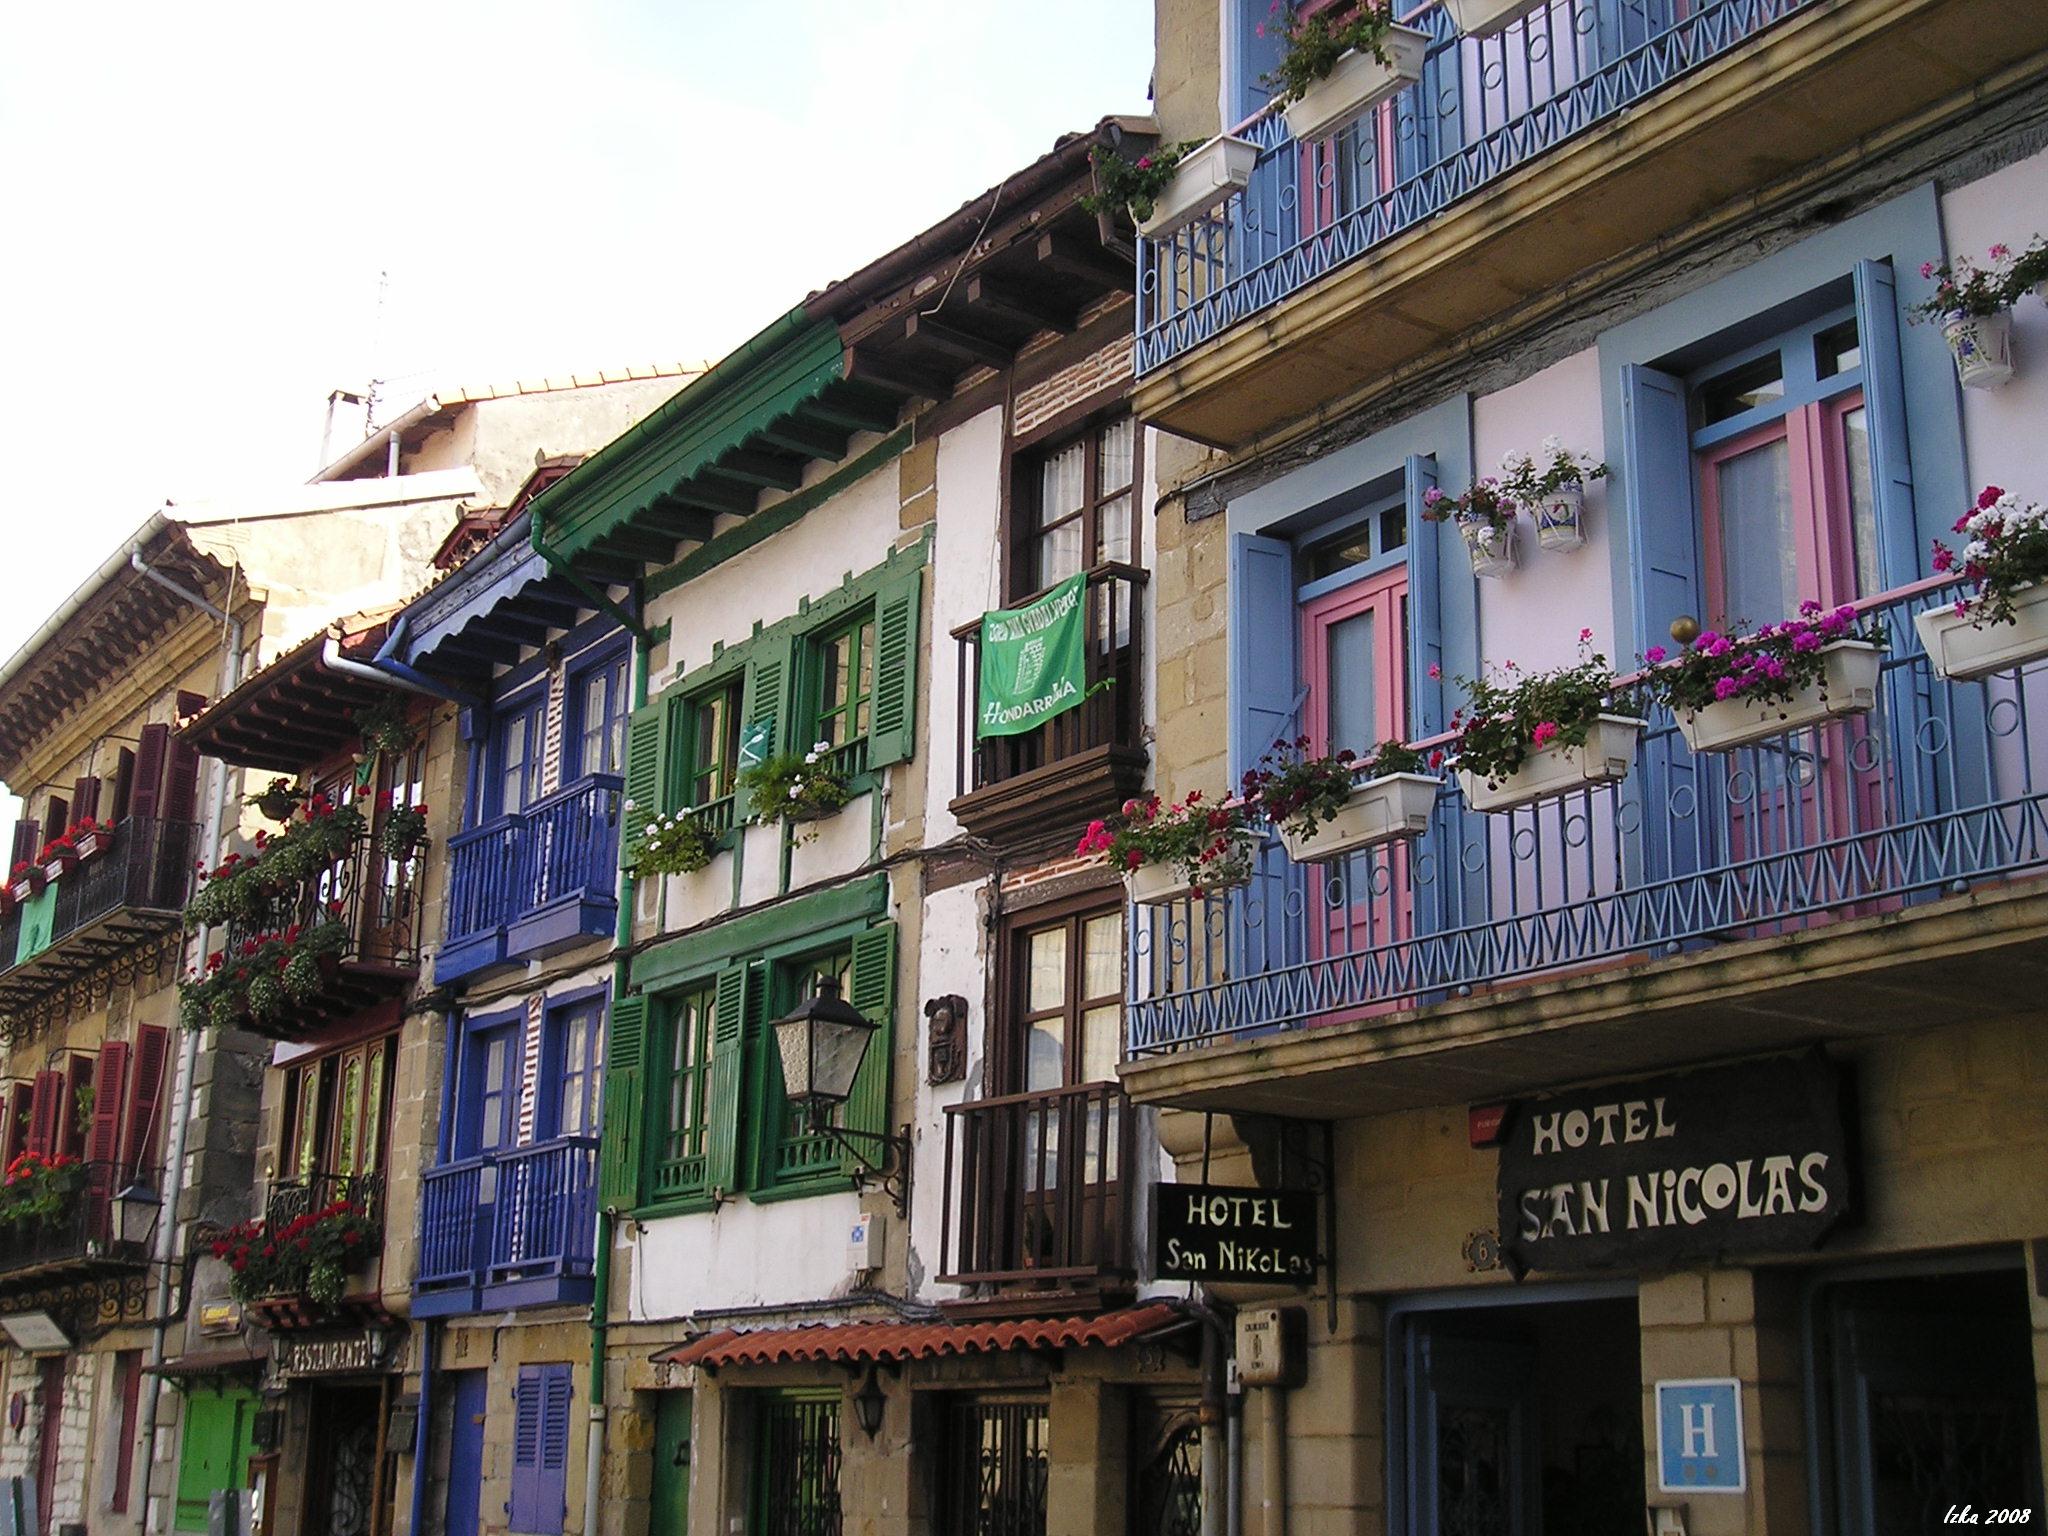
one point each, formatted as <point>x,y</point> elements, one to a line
<point>38,918</point>
<point>1034,661</point>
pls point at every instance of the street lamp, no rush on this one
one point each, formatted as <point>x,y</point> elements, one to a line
<point>821,1043</point>
<point>136,1209</point>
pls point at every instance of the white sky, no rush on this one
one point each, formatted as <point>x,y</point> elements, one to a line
<point>198,200</point>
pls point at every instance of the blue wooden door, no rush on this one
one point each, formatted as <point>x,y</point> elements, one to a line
<point>469,1399</point>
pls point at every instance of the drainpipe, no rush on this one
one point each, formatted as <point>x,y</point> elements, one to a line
<point>1273,1460</point>
<point>386,660</point>
<point>601,1264</point>
<point>332,659</point>
<point>444,1137</point>
<point>188,1053</point>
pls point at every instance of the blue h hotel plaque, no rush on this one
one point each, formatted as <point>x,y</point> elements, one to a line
<point>1699,1436</point>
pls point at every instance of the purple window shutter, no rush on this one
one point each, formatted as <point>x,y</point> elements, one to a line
<point>524,1509</point>
<point>552,1490</point>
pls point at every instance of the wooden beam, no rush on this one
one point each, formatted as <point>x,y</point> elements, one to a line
<point>715,496</point>
<point>510,626</point>
<point>1080,259</point>
<point>1005,300</point>
<point>479,647</point>
<point>773,470</point>
<point>671,518</point>
<point>858,414</point>
<point>630,542</point>
<point>813,439</point>
<point>965,345</point>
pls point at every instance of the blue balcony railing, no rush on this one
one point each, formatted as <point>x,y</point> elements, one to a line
<point>1483,107</point>
<point>509,1228</point>
<point>1931,791</point>
<point>522,884</point>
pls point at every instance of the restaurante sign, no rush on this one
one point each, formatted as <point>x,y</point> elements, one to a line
<point>1740,1159</point>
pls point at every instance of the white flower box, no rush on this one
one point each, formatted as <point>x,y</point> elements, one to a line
<point>1962,649</point>
<point>1382,810</point>
<point>1982,345</point>
<point>1157,885</point>
<point>1561,519</point>
<point>1483,18</point>
<point>1218,170</point>
<point>1357,84</point>
<point>1608,754</point>
<point>1848,686</point>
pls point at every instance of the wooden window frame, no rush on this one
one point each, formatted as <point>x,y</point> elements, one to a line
<point>696,1133</point>
<point>614,663</point>
<point>722,777</point>
<point>1029,456</point>
<point>1006,1063</point>
<point>857,707</point>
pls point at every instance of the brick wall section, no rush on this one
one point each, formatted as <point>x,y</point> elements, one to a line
<point>1071,386</point>
<point>1059,869</point>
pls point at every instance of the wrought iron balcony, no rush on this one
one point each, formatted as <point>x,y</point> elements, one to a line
<point>292,1198</point>
<point>509,1229</point>
<point>1037,1194</point>
<point>85,1236</point>
<point>102,913</point>
<point>1930,800</point>
<point>1082,763</point>
<point>526,884</point>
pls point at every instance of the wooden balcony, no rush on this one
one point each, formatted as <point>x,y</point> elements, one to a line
<point>1574,148</point>
<point>1037,1204</point>
<point>1039,788</point>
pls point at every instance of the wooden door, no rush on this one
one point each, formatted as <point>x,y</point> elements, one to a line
<point>469,1399</point>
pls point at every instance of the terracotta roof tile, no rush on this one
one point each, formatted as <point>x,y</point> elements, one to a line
<point>857,1343</point>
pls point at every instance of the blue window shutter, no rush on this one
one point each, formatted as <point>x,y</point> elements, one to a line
<point>1264,693</point>
<point>1664,544</point>
<point>1426,712</point>
<point>552,1485</point>
<point>522,1511</point>
<point>1257,56</point>
<point>1884,399</point>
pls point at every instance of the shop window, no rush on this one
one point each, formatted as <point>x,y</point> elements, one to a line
<point>994,1471</point>
<point>795,1483</point>
<point>1521,1418</point>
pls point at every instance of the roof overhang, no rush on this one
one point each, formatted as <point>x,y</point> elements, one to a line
<point>501,599</point>
<point>888,1343</point>
<point>297,712</point>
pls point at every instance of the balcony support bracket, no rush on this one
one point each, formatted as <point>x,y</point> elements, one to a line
<point>892,1171</point>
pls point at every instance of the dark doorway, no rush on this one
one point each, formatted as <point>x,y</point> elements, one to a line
<point>1927,1397</point>
<point>341,1462</point>
<point>1523,1420</point>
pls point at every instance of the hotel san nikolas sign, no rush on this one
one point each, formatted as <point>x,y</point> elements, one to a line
<point>1220,1233</point>
<point>1741,1159</point>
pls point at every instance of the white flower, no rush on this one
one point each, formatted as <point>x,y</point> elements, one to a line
<point>1553,446</point>
<point>821,746</point>
<point>810,757</point>
<point>628,804</point>
<point>792,791</point>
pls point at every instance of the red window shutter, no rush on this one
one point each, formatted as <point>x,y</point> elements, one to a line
<point>19,1101</point>
<point>56,818</point>
<point>128,1369</point>
<point>27,837</point>
<point>109,1099</point>
<point>146,1091</point>
<point>181,781</point>
<point>85,799</point>
<point>124,785</point>
<point>45,1114</point>
<point>71,1132</point>
<point>146,795</point>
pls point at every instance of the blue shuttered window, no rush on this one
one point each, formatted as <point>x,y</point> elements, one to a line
<point>540,1451</point>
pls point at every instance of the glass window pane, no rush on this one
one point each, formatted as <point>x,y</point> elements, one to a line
<point>350,1105</point>
<point>1059,553</point>
<point>1113,530</point>
<point>1101,1043</point>
<point>1352,706</point>
<point>373,1110</point>
<point>1045,1055</point>
<point>1113,462</point>
<point>1862,501</point>
<point>864,648</point>
<point>1102,956</point>
<point>1743,388</point>
<point>1062,483</point>
<point>1393,528</point>
<point>596,725</point>
<point>1837,350</point>
<point>1759,555</point>
<point>1045,969</point>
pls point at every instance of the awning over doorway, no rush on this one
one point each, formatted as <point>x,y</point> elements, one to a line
<point>881,1343</point>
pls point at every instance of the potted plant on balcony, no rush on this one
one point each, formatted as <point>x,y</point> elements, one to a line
<point>1485,516</point>
<point>39,1190</point>
<point>1328,806</point>
<point>1728,691</point>
<point>90,837</point>
<point>1552,485</point>
<point>1973,306</point>
<point>280,797</point>
<point>1191,848</point>
<point>677,844</point>
<point>384,725</point>
<point>25,882</point>
<point>2004,623</point>
<point>58,856</point>
<point>1340,63</point>
<point>265,974</point>
<point>310,1257</point>
<point>1171,185</point>
<point>404,829</point>
<point>1529,736</point>
<point>1485,18</point>
<point>795,789</point>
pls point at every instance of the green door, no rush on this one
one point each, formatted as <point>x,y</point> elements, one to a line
<point>215,1453</point>
<point>671,1510</point>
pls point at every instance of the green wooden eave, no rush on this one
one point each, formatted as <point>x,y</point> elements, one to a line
<point>607,505</point>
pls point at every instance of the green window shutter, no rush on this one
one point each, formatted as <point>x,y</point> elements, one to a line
<point>625,1119</point>
<point>766,696</point>
<point>736,989</point>
<point>646,753</point>
<point>872,989</point>
<point>892,729</point>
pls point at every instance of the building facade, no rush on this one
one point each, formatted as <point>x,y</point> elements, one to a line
<point>1684,1118</point>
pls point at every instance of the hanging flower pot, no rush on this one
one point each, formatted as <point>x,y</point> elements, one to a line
<point>1356,84</point>
<point>1491,546</point>
<point>1483,18</point>
<point>91,839</point>
<point>1203,179</point>
<point>1388,809</point>
<point>57,859</point>
<point>1966,646</point>
<point>1982,345</point>
<point>1161,882</point>
<point>26,882</point>
<point>1605,757</point>
<point>1847,685</point>
<point>1561,519</point>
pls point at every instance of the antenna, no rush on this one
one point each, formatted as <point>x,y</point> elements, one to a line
<point>376,342</point>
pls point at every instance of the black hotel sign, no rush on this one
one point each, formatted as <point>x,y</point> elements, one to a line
<point>1219,1233</point>
<point>1731,1160</point>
